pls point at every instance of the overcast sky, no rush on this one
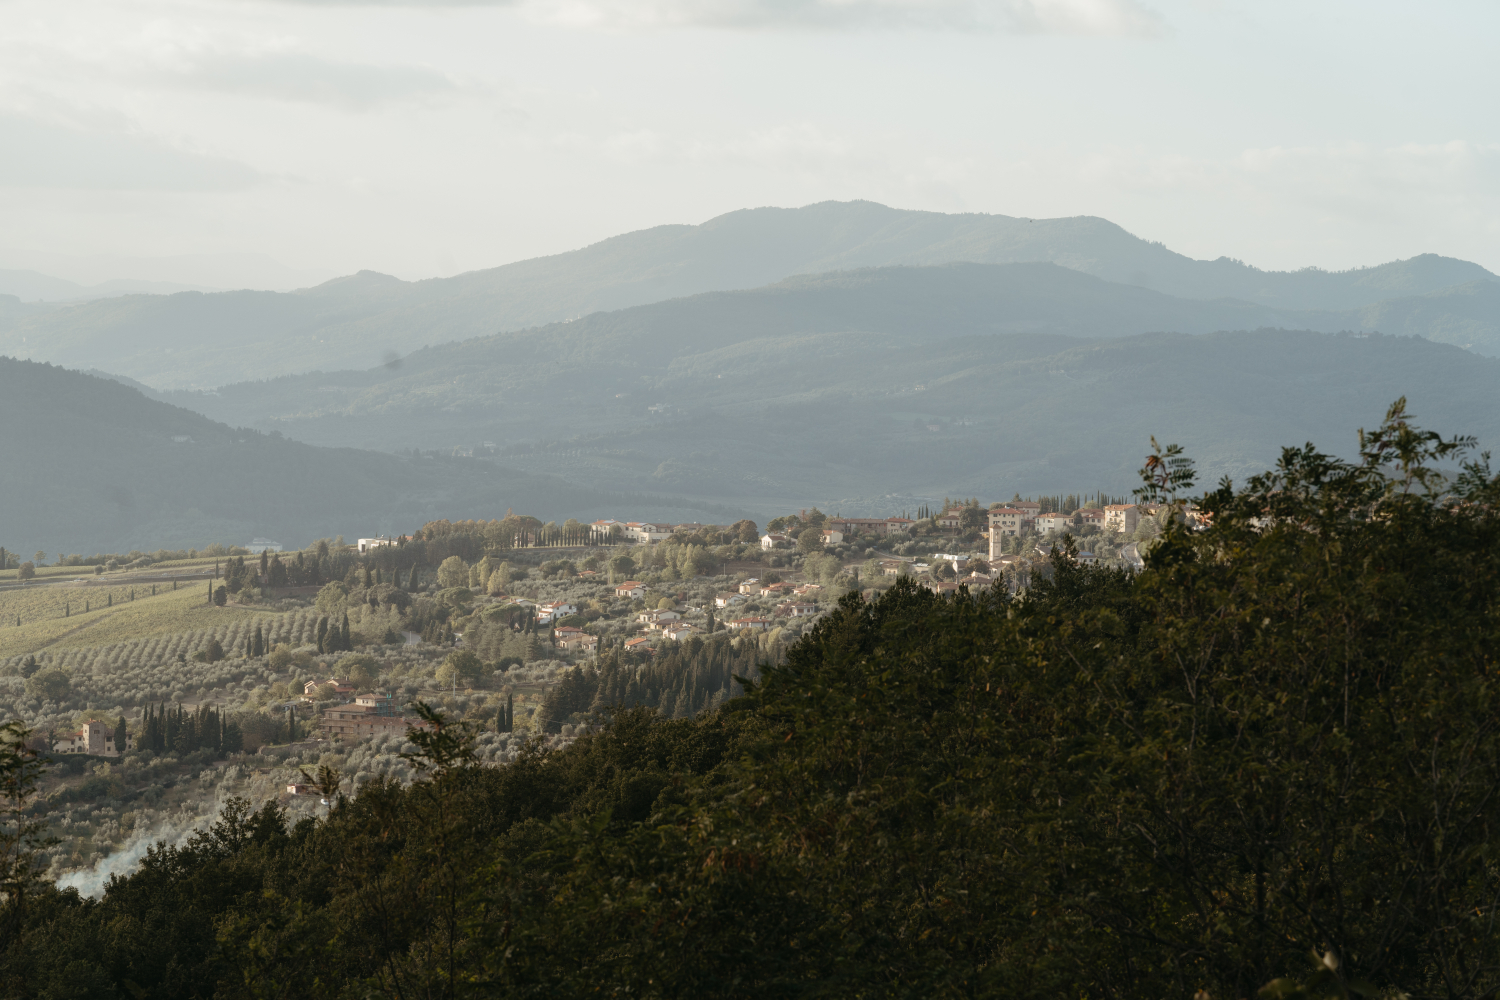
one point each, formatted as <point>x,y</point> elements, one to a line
<point>425,139</point>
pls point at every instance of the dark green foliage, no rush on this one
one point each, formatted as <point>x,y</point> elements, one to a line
<point>1276,742</point>
<point>175,729</point>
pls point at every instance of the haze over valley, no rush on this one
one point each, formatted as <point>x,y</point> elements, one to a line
<point>843,354</point>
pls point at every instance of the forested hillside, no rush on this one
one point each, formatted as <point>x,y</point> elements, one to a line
<point>92,465</point>
<point>1271,774</point>
<point>194,340</point>
<point>846,389</point>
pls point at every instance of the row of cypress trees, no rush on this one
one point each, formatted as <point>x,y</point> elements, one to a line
<point>335,638</point>
<point>168,728</point>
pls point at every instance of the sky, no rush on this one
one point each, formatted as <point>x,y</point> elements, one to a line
<point>274,142</point>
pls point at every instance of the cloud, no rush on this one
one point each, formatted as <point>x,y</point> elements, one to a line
<point>1129,18</point>
<point>45,155</point>
<point>294,76</point>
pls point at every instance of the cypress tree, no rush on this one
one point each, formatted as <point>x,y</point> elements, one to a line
<point>120,735</point>
<point>344,642</point>
<point>322,632</point>
<point>510,713</point>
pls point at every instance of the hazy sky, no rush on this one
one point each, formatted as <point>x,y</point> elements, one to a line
<point>426,138</point>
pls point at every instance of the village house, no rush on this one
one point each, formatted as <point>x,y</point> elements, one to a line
<point>807,588</point>
<point>647,532</point>
<point>96,738</point>
<point>774,539</point>
<point>658,617</point>
<point>796,609</point>
<point>572,637</point>
<point>370,714</point>
<point>1122,518</point>
<point>893,567</point>
<point>638,645</point>
<point>753,623</point>
<point>728,600</point>
<point>1054,522</point>
<point>774,589</point>
<point>1009,521</point>
<point>341,689</point>
<point>365,544</point>
<point>606,529</point>
<point>553,610</point>
<point>750,586</point>
<point>1089,517</point>
<point>678,631</point>
<point>631,589</point>
<point>832,537</point>
<point>950,518</point>
<point>868,525</point>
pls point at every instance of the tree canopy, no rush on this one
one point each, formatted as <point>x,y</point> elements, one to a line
<point>1266,762</point>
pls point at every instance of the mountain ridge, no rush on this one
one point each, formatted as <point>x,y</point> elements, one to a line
<point>196,340</point>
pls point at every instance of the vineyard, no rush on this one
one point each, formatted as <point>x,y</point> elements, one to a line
<point>53,618</point>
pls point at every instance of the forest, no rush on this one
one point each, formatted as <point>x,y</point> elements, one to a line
<point>1265,764</point>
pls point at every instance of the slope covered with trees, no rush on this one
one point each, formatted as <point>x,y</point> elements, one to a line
<point>92,465</point>
<point>1268,760</point>
<point>843,389</point>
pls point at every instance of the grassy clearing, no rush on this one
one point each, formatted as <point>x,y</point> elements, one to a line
<point>180,611</point>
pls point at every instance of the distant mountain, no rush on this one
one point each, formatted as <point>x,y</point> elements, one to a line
<point>1467,315</point>
<point>92,465</point>
<point>33,286</point>
<point>193,340</point>
<point>857,387</point>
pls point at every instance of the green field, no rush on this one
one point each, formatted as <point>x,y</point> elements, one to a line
<point>52,574</point>
<point>43,625</point>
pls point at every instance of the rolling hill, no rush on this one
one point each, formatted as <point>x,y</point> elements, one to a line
<point>92,465</point>
<point>196,340</point>
<point>862,388</point>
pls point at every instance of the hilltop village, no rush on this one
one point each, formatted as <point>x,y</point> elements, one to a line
<point>143,669</point>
